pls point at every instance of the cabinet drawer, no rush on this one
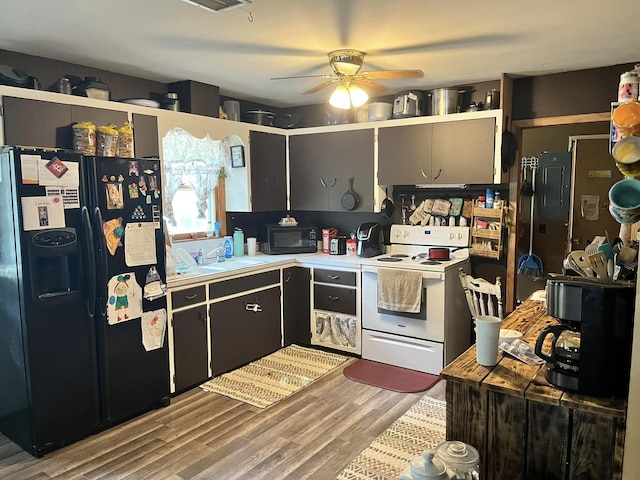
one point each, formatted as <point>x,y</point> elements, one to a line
<point>334,299</point>
<point>339,277</point>
<point>188,296</point>
<point>241,284</point>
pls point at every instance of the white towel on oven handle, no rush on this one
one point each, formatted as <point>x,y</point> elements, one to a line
<point>399,290</point>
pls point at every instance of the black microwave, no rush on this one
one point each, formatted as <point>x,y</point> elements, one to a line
<point>278,239</point>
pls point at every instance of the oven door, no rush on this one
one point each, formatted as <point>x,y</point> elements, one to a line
<point>428,324</point>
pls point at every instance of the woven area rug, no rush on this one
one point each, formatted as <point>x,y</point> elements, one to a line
<point>421,428</point>
<point>275,377</point>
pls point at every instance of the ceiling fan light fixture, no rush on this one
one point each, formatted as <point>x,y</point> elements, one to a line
<point>358,96</point>
<point>340,98</point>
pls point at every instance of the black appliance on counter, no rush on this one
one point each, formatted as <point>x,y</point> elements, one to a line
<point>77,286</point>
<point>591,348</point>
<point>370,240</point>
<point>277,239</point>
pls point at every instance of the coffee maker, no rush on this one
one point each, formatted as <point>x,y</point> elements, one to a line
<point>591,347</point>
<point>370,240</point>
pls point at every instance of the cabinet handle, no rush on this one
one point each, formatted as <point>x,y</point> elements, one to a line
<point>191,297</point>
<point>439,172</point>
<point>253,307</point>
<point>323,183</point>
<point>334,277</point>
<point>201,317</point>
<point>288,277</point>
<point>424,174</point>
<point>334,298</point>
<point>333,184</point>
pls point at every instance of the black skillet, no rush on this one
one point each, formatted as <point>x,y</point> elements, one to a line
<point>350,198</point>
<point>387,205</point>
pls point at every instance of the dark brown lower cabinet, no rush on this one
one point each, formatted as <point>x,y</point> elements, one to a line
<point>190,350</point>
<point>241,333</point>
<point>296,304</point>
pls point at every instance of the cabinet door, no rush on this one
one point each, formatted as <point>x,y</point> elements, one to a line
<point>190,354</point>
<point>36,123</point>
<point>307,172</point>
<point>463,151</point>
<point>321,165</point>
<point>296,305</point>
<point>240,335</point>
<point>351,156</point>
<point>145,135</point>
<point>404,155</point>
<point>268,152</point>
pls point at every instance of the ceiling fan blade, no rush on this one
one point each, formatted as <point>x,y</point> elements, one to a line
<point>370,86</point>
<point>302,76</point>
<point>393,74</point>
<point>319,87</point>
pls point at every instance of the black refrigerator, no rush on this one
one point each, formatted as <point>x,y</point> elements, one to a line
<point>82,271</point>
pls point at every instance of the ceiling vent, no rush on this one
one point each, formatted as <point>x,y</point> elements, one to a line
<point>218,5</point>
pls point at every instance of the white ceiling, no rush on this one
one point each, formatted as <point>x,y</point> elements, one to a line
<point>239,50</point>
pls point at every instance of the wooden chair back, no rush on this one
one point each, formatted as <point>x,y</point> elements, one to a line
<point>483,298</point>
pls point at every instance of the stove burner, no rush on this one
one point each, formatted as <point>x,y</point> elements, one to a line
<point>399,255</point>
<point>390,259</point>
<point>430,262</point>
<point>421,255</point>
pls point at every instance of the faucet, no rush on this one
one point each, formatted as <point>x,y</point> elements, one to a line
<point>217,252</point>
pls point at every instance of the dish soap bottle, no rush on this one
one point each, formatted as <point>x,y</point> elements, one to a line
<point>228,247</point>
<point>238,242</point>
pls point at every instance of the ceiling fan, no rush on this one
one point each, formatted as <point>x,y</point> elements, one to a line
<point>346,65</point>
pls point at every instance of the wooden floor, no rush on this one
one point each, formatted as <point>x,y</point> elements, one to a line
<point>313,434</point>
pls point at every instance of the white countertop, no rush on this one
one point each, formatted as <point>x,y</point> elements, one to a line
<point>247,264</point>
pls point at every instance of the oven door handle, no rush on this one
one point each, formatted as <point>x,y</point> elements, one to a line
<point>426,275</point>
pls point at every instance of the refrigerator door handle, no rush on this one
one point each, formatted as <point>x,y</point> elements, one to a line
<point>91,301</point>
<point>103,261</point>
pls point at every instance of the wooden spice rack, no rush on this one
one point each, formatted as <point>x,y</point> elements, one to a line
<point>486,241</point>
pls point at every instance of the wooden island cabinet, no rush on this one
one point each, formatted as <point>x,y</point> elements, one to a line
<point>523,427</point>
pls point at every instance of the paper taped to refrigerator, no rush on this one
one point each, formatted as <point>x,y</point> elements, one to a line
<point>154,326</point>
<point>56,173</point>
<point>140,244</point>
<point>40,213</point>
<point>125,298</point>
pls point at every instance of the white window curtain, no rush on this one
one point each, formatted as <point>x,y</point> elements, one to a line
<point>195,161</point>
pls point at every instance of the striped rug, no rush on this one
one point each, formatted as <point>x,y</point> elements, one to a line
<point>275,377</point>
<point>421,428</point>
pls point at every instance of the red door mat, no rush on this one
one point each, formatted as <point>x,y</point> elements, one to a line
<point>389,377</point>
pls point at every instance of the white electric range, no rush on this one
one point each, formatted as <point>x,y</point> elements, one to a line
<point>428,340</point>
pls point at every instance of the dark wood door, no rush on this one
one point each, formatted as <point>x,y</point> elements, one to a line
<point>35,123</point>
<point>463,151</point>
<point>268,153</point>
<point>239,334</point>
<point>296,305</point>
<point>190,350</point>
<point>404,155</point>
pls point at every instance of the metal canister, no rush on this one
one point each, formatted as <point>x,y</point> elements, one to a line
<point>492,99</point>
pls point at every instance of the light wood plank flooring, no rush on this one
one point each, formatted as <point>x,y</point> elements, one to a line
<point>313,434</point>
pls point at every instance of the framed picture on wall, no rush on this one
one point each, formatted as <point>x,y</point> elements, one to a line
<point>237,156</point>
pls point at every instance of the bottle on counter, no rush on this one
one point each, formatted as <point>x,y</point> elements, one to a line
<point>480,203</point>
<point>238,242</point>
<point>228,247</point>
